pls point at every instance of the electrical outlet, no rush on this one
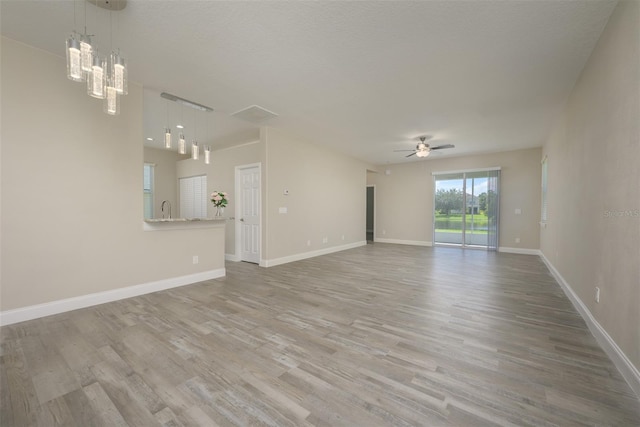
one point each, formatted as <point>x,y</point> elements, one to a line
<point>517,240</point>
<point>384,232</point>
<point>195,259</point>
<point>343,237</point>
<point>308,242</point>
<point>325,239</point>
<point>597,294</point>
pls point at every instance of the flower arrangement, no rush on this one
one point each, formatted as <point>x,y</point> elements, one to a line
<point>219,199</point>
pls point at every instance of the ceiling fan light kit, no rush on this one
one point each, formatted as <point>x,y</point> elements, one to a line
<point>423,149</point>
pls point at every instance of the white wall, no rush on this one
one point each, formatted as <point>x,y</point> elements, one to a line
<point>404,198</point>
<point>327,198</point>
<point>593,156</point>
<point>71,218</point>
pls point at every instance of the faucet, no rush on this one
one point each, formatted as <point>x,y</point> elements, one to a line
<point>162,208</point>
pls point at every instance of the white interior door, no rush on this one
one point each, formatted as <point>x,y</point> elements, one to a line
<point>249,180</point>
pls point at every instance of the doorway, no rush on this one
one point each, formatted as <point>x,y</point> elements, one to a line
<point>466,208</point>
<point>248,212</point>
<point>371,194</point>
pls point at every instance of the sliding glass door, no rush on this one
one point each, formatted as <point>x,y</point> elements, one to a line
<point>466,208</point>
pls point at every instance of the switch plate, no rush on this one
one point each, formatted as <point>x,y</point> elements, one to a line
<point>195,259</point>
<point>282,210</point>
<point>518,211</point>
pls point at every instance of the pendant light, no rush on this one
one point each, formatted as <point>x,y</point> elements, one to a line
<point>207,148</point>
<point>195,150</point>
<point>97,78</point>
<point>167,138</point>
<point>182,145</point>
<point>86,48</point>
<point>167,131</point>
<point>86,53</point>
<point>106,78</point>
<point>119,72</point>
<point>74,59</point>
<point>112,100</point>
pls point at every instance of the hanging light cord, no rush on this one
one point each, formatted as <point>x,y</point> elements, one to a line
<point>75,26</point>
<point>85,18</point>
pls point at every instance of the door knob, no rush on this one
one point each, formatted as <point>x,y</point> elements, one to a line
<point>242,219</point>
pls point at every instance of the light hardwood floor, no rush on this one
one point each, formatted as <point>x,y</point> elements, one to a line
<point>378,335</point>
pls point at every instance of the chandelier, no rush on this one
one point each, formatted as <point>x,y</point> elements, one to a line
<point>106,77</point>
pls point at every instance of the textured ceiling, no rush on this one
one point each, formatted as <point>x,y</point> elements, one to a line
<point>365,77</point>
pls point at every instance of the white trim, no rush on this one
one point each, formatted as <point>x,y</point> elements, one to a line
<point>495,168</point>
<point>9,317</point>
<point>311,254</point>
<point>522,251</point>
<point>403,242</point>
<point>628,371</point>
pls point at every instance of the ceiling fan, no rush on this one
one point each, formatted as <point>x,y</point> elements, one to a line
<point>423,149</point>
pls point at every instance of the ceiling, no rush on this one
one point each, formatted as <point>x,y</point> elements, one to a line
<point>365,77</point>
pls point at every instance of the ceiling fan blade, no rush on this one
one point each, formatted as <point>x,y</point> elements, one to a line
<point>439,147</point>
<point>402,150</point>
<point>412,154</point>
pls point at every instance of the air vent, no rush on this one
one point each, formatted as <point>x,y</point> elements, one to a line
<point>254,114</point>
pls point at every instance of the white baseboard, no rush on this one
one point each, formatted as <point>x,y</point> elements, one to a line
<point>9,317</point>
<point>403,242</point>
<point>522,251</point>
<point>628,371</point>
<point>311,254</point>
<point>232,257</point>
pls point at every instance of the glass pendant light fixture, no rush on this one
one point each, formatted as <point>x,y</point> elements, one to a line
<point>112,100</point>
<point>96,79</point>
<point>119,72</point>
<point>167,138</point>
<point>195,150</point>
<point>106,78</point>
<point>86,53</point>
<point>195,146</point>
<point>167,131</point>
<point>182,145</point>
<point>74,59</point>
<point>86,48</point>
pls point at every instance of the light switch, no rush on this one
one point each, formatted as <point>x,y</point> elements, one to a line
<point>282,210</point>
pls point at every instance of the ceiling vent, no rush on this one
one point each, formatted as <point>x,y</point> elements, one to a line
<point>254,114</point>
